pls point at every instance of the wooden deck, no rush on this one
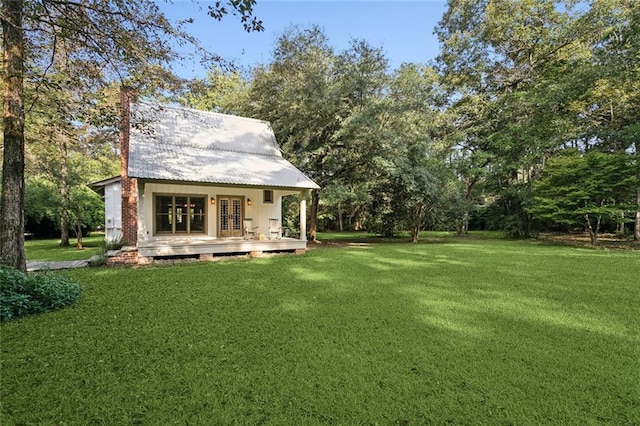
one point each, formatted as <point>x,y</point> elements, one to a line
<point>180,246</point>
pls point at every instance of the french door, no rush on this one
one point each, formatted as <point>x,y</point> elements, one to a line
<point>230,217</point>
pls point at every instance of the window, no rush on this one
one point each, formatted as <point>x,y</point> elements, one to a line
<point>267,196</point>
<point>180,214</point>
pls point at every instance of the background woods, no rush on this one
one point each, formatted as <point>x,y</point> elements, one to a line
<point>59,58</point>
<point>471,139</point>
<point>527,102</point>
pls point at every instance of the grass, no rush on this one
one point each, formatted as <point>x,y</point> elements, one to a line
<point>462,331</point>
<point>402,237</point>
<point>366,237</point>
<point>50,250</point>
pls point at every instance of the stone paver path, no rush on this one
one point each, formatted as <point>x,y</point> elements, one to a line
<point>69,264</point>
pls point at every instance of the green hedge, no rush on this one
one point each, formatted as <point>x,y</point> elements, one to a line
<point>30,294</point>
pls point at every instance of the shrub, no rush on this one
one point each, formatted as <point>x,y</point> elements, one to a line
<point>99,259</point>
<point>114,244</point>
<point>30,294</point>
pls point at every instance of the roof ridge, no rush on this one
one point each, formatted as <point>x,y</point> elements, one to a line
<point>201,111</point>
<point>238,151</point>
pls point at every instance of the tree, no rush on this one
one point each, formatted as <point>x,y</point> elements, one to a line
<point>296,93</point>
<point>57,135</point>
<point>360,80</point>
<point>342,201</point>
<point>132,39</point>
<point>86,210</point>
<point>608,106</point>
<point>583,189</point>
<point>520,74</point>
<point>418,173</point>
<point>12,198</point>
<point>390,143</point>
<point>224,92</point>
<point>41,206</point>
<point>65,139</point>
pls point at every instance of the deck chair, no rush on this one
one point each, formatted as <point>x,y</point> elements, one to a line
<point>275,231</point>
<point>249,230</point>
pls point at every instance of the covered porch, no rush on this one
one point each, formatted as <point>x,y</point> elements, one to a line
<point>202,246</point>
<point>232,224</point>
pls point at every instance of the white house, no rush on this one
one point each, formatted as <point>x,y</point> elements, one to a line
<point>200,183</point>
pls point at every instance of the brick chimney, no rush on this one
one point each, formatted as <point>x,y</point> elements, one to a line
<point>129,185</point>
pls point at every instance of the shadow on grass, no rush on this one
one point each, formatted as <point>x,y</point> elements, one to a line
<point>508,335</point>
<point>468,332</point>
<point>343,239</point>
<point>579,240</point>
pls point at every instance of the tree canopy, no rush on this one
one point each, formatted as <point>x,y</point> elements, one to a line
<point>585,189</point>
<point>527,121</point>
<point>529,79</point>
<point>60,55</point>
<point>464,141</point>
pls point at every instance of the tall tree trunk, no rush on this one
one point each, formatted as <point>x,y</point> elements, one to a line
<point>79,235</point>
<point>593,231</point>
<point>64,196</point>
<point>526,223</point>
<point>12,198</point>
<point>340,223</point>
<point>464,225</point>
<point>415,233</point>
<point>313,220</point>
<point>416,224</point>
<point>620,229</point>
<point>636,231</point>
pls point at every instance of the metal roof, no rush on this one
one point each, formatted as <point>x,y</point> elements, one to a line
<point>183,144</point>
<point>104,182</point>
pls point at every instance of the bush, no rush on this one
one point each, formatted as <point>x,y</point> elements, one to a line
<point>116,244</point>
<point>30,294</point>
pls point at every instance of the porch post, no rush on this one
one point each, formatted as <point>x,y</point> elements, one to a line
<point>303,215</point>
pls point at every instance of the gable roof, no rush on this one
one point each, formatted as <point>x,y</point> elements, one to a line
<point>184,144</point>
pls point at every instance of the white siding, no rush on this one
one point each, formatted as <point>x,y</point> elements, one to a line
<point>113,212</point>
<point>258,211</point>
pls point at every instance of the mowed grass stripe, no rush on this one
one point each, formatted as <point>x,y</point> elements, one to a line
<point>462,331</point>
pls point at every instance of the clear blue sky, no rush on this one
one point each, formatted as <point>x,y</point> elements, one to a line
<point>403,29</point>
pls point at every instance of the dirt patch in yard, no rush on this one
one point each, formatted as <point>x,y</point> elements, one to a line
<point>581,239</point>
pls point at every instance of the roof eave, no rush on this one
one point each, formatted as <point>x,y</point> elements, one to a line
<point>311,185</point>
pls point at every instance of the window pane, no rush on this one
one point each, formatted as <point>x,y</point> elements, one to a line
<point>236,215</point>
<point>164,213</point>
<point>182,207</point>
<point>224,215</point>
<point>267,196</point>
<point>196,215</point>
<point>180,214</point>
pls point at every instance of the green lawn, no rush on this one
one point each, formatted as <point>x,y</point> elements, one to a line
<point>461,331</point>
<point>50,250</point>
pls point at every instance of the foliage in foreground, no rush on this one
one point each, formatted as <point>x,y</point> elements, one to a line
<point>30,294</point>
<point>456,330</point>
